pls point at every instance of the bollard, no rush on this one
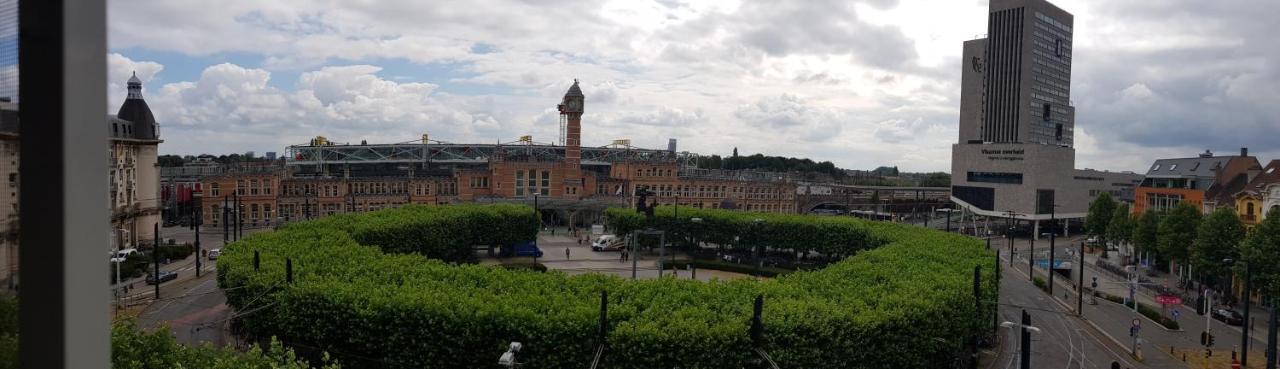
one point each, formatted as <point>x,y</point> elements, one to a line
<point>256,260</point>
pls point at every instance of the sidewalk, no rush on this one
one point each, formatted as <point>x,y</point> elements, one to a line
<point>1115,319</point>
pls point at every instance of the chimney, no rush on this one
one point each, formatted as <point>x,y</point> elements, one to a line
<point>1207,154</point>
<point>1244,151</point>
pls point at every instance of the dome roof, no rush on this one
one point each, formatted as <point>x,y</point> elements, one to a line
<point>137,111</point>
<point>134,79</point>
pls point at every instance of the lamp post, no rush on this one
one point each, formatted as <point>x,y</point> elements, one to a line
<point>196,221</point>
<point>537,212</point>
<point>1244,326</point>
<point>1008,233</point>
<point>1024,349</point>
<point>759,246</point>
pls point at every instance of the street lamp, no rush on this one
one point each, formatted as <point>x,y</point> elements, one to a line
<point>759,246</point>
<point>1008,233</point>
<point>1024,349</point>
<point>1244,326</point>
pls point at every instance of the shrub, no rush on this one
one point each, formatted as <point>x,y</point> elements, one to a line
<point>536,267</point>
<point>356,291</point>
<point>1144,309</point>
<point>1040,283</point>
<point>730,267</point>
<point>132,348</point>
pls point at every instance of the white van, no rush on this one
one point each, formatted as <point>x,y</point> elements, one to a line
<point>121,255</point>
<point>607,242</point>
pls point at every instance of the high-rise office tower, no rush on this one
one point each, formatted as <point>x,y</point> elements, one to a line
<point>1015,156</point>
<point>1017,87</point>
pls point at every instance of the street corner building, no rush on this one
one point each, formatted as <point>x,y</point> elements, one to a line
<point>134,177</point>
<point>1015,155</point>
<point>570,183</point>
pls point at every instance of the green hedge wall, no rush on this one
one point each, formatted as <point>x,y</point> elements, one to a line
<point>903,298</point>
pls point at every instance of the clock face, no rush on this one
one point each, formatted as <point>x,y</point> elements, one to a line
<point>575,105</point>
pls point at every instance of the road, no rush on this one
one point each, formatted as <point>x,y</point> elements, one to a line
<point>1116,319</point>
<point>1064,340</point>
<point>581,260</point>
<point>193,308</point>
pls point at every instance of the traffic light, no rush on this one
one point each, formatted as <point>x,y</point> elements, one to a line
<point>1204,338</point>
<point>1095,283</point>
<point>1210,340</point>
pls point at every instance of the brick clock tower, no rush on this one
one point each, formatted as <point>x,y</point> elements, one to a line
<point>571,115</point>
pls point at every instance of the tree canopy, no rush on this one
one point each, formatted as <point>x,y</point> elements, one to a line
<point>1217,238</point>
<point>1262,250</point>
<point>1121,227</point>
<point>1144,232</point>
<point>769,163</point>
<point>1177,231</point>
<point>1099,217</point>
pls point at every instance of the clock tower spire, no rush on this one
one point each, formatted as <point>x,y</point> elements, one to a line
<point>571,118</point>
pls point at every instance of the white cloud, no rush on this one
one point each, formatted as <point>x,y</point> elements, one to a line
<point>861,83</point>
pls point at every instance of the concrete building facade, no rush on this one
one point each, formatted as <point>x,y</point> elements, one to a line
<point>1015,156</point>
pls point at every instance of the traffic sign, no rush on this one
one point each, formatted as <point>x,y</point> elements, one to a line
<point>1176,313</point>
<point>1169,299</point>
<point>1137,323</point>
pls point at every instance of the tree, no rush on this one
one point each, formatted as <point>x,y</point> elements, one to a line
<point>1217,238</point>
<point>1144,233</point>
<point>1120,229</point>
<point>1262,250</point>
<point>169,161</point>
<point>735,152</point>
<point>1099,217</point>
<point>1177,231</point>
<point>936,179</point>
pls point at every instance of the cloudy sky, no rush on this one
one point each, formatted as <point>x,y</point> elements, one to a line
<point>859,82</point>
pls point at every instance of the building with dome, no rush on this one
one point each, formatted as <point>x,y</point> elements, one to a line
<point>135,179</point>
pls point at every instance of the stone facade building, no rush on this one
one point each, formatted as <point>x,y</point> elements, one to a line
<point>567,181</point>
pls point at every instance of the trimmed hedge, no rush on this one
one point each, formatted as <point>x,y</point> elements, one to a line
<point>1144,309</point>
<point>906,303</point>
<point>748,269</point>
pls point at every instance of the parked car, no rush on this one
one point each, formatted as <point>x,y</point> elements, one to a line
<point>122,255</point>
<point>528,249</point>
<point>1231,317</point>
<point>213,254</point>
<point>164,277</point>
<point>1092,241</point>
<point>607,242</point>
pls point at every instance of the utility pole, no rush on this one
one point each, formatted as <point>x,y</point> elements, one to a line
<point>1244,325</point>
<point>225,221</point>
<point>1080,285</point>
<point>1026,341</point>
<point>1271,337</point>
<point>1008,233</point>
<point>635,254</point>
<point>1053,233</point>
<point>977,310</point>
<point>1031,256</point>
<point>155,257</point>
<point>196,220</point>
<point>948,220</point>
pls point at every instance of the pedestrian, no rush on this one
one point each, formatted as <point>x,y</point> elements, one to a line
<point>566,253</point>
<point>553,231</point>
<point>622,256</point>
